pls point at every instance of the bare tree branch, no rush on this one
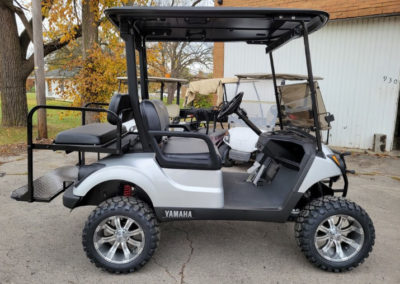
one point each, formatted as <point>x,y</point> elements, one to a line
<point>51,47</point>
<point>22,7</point>
<point>196,2</point>
<point>101,20</point>
<point>25,38</point>
<point>76,12</point>
<point>21,15</point>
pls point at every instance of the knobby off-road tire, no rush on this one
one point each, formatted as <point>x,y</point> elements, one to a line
<point>125,209</point>
<point>328,212</point>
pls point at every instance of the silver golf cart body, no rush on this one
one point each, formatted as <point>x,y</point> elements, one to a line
<point>190,176</point>
<point>154,174</point>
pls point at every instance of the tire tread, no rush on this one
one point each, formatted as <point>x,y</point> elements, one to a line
<point>125,204</point>
<point>309,215</point>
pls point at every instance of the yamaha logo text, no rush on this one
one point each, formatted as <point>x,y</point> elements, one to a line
<point>178,214</point>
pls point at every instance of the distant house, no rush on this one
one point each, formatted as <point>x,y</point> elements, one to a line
<point>57,81</point>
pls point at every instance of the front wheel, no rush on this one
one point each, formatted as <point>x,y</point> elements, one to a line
<point>335,234</point>
<point>121,235</point>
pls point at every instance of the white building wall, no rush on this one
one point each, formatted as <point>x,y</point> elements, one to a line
<point>353,56</point>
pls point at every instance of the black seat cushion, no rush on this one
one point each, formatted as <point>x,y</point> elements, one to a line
<point>188,148</point>
<point>90,134</point>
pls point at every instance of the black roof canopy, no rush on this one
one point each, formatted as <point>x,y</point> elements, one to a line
<point>216,24</point>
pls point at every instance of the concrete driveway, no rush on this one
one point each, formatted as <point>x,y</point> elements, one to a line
<point>41,243</point>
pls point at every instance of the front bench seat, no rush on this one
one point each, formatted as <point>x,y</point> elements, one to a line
<point>155,115</point>
<point>99,133</point>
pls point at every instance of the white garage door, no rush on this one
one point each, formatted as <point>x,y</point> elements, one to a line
<point>360,61</point>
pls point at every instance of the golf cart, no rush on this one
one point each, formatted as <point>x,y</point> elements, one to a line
<point>259,103</point>
<point>205,87</point>
<point>156,175</point>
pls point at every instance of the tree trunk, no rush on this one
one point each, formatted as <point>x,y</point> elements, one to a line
<point>13,94</point>
<point>172,86</point>
<point>39,63</point>
<point>171,92</point>
<point>90,36</point>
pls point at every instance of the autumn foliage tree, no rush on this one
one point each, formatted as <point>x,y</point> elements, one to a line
<point>16,62</point>
<point>103,54</point>
<point>102,59</point>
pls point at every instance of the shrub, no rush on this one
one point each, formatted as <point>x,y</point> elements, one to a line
<point>203,101</point>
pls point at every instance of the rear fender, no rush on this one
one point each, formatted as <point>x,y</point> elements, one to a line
<point>129,175</point>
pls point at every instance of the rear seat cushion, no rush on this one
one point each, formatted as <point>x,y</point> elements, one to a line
<point>90,134</point>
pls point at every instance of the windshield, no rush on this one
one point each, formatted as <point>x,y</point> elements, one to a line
<point>258,101</point>
<point>297,106</point>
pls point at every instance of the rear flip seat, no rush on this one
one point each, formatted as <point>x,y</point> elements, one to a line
<point>99,133</point>
<point>90,134</point>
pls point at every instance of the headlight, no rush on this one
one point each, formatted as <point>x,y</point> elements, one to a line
<point>337,160</point>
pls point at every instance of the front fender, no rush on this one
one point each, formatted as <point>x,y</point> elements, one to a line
<point>321,168</point>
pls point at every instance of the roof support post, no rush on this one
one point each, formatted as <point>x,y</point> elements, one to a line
<point>278,101</point>
<point>178,93</point>
<point>162,91</point>
<point>225,97</point>
<point>144,84</point>
<point>311,84</point>
<point>129,39</point>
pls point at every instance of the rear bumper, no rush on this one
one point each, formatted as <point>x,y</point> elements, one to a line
<point>69,199</point>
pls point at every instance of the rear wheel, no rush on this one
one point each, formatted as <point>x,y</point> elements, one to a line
<point>335,234</point>
<point>121,235</point>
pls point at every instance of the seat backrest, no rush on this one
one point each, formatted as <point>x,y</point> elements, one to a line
<point>155,115</point>
<point>118,103</point>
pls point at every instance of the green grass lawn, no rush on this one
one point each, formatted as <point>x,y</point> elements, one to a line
<point>11,135</point>
<point>56,121</point>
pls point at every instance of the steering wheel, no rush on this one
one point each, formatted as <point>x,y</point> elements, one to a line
<point>231,106</point>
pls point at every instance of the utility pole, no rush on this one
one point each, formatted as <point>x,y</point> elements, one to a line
<point>39,66</point>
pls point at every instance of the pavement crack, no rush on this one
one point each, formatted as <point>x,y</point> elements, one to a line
<point>182,273</point>
<point>165,269</point>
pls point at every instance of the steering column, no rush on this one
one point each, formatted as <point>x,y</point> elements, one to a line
<point>234,107</point>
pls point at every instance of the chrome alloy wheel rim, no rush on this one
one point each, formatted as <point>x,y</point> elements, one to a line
<point>339,238</point>
<point>119,239</point>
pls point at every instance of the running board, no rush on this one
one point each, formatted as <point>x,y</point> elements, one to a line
<point>49,186</point>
